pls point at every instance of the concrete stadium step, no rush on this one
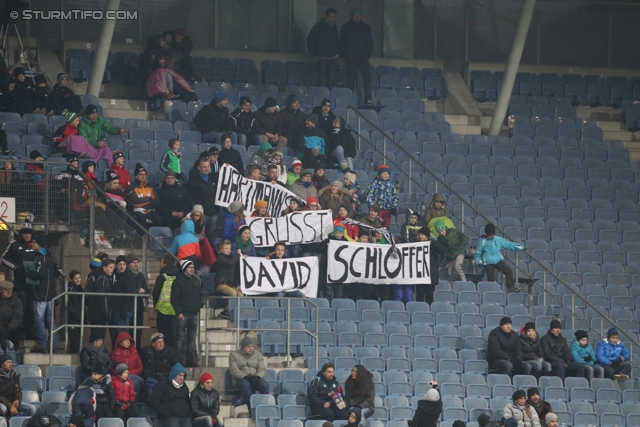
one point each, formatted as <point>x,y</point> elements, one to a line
<point>623,135</point>
<point>611,126</point>
<point>466,129</point>
<point>457,120</point>
<point>43,359</point>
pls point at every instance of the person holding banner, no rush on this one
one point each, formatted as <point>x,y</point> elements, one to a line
<point>279,252</point>
<point>260,159</point>
<point>272,175</point>
<point>382,192</point>
<point>303,187</point>
<point>232,218</point>
<point>295,205</point>
<point>229,155</point>
<point>227,273</point>
<point>242,243</point>
<point>261,210</point>
<point>425,292</point>
<point>294,173</point>
<point>334,197</point>
<point>355,192</point>
<point>253,173</point>
<point>351,230</point>
<point>277,158</point>
<point>201,190</point>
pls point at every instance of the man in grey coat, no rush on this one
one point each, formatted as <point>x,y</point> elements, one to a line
<point>247,368</point>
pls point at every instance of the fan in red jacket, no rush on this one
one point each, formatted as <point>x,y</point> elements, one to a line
<point>69,129</point>
<point>125,393</point>
<point>118,167</point>
<point>125,352</point>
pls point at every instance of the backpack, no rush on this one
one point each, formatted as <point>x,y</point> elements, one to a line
<point>44,420</point>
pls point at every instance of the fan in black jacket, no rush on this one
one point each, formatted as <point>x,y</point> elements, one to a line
<point>170,398</point>
<point>230,155</point>
<point>243,122</point>
<point>201,190</point>
<point>205,402</point>
<point>187,299</point>
<point>175,202</point>
<point>105,396</point>
<point>429,408</point>
<point>504,350</point>
<point>213,120</point>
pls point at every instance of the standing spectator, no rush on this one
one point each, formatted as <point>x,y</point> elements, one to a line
<point>247,368</point>
<point>456,243</point>
<point>269,123</point>
<point>437,210</point>
<point>334,197</point>
<point>162,298</point>
<point>341,145</point>
<point>542,407</point>
<point>356,47</point>
<point>142,197</point>
<point>382,192</point>
<point>325,395</point>
<point>303,187</point>
<point>187,299</point>
<point>213,119</point>
<point>175,202</point>
<point>205,402</point>
<point>488,255</point>
<point>170,161</point>
<point>98,308</point>
<point>359,390</point>
<point>74,310</point>
<point>227,267</point>
<point>532,350</point>
<point>260,159</point>
<point>409,230</point>
<point>556,351</point>
<point>11,404</point>
<point>133,264</point>
<point>157,360</point>
<point>201,190</point>
<point>504,350</point>
<point>91,128</point>
<point>582,352</point>
<point>293,122</point>
<point>94,357</point>
<point>63,99</point>
<point>230,155</point>
<point>614,357</point>
<point>519,410</point>
<point>43,289</point>
<point>124,393</point>
<point>186,244</point>
<point>429,409</point>
<point>170,399</point>
<point>325,115</point>
<point>425,292</point>
<point>323,44</point>
<point>243,123</point>
<point>118,167</point>
<point>294,173</point>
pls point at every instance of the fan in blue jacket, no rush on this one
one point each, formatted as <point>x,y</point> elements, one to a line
<point>613,356</point>
<point>488,255</point>
<point>232,218</point>
<point>582,352</point>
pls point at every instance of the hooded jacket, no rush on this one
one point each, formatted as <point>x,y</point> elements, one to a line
<point>579,352</point>
<point>185,245</point>
<point>90,355</point>
<point>123,390</point>
<point>169,401</point>
<point>524,420</point>
<point>427,414</point>
<point>232,157</point>
<point>157,364</point>
<point>299,189</point>
<point>123,175</point>
<point>268,122</point>
<point>433,212</point>
<point>293,121</point>
<point>129,355</point>
<point>242,364</point>
<point>105,396</point>
<point>408,232</point>
<point>339,137</point>
<point>187,295</point>
<point>212,118</point>
<point>11,312</point>
<point>46,273</point>
<point>174,199</point>
<point>356,42</point>
<point>261,159</point>
<point>504,346</point>
<point>383,193</point>
<point>126,282</point>
<point>327,201</point>
<point>608,352</point>
<point>358,413</point>
<point>205,402</point>
<point>555,349</point>
<point>326,122</point>
<point>60,97</point>
<point>92,130</point>
<point>531,348</point>
<point>63,132</point>
<point>201,192</point>
<point>323,40</point>
<point>488,251</point>
<point>10,390</point>
<point>319,389</point>
<point>98,306</point>
<point>227,269</point>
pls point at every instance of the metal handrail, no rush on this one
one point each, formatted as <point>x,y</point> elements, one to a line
<point>463,201</point>
<point>237,329</point>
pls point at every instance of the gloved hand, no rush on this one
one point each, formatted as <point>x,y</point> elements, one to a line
<point>480,263</point>
<point>394,212</point>
<point>587,358</point>
<point>254,381</point>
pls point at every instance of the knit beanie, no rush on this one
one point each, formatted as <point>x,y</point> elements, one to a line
<point>98,368</point>
<point>184,264</point>
<point>555,323</point>
<point>292,98</point>
<point>69,116</point>
<point>458,423</point>
<point>355,11</point>
<point>205,377</point>
<point>117,155</point>
<point>95,263</point>
<point>121,368</point>
<point>350,176</point>
<point>40,239</point>
<point>219,96</point>
<point>313,118</point>
<point>18,71</point>
<point>40,79</point>
<point>270,102</point>
<point>235,206</point>
<point>96,334</point>
<point>131,258</point>
<point>505,320</point>
<point>156,336</point>
<point>260,204</point>
<point>60,77</point>
<point>532,392</point>
<point>383,168</point>
<point>311,199</point>
<point>338,228</point>
<point>425,231</point>
<point>529,325</point>
<point>111,176</point>
<point>244,100</point>
<point>35,154</point>
<point>440,226</point>
<point>121,258</point>
<point>198,208</point>
<point>139,168</point>
<point>519,394</point>
<point>325,101</point>
<point>4,357</point>
<point>579,334</point>
<point>304,172</point>
<point>550,417</point>
<point>510,422</point>
<point>612,331</point>
<point>432,395</point>
<point>90,109</point>
<point>337,184</point>
<point>242,228</point>
<point>296,163</point>
<point>246,341</point>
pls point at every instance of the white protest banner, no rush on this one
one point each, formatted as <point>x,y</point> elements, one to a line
<point>349,262</point>
<point>263,276</point>
<point>233,186</point>
<point>294,229</point>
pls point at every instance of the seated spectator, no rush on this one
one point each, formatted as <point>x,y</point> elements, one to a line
<point>227,267</point>
<point>294,173</point>
<point>437,210</point>
<point>105,396</point>
<point>295,205</point>
<point>243,123</point>
<point>242,244</point>
<point>253,173</point>
<point>170,160</point>
<point>504,350</point>
<point>170,399</point>
<point>247,369</point>
<point>36,169</point>
<point>9,178</point>
<point>205,402</point>
<point>456,243</point>
<point>232,218</point>
<point>11,404</point>
<point>70,128</point>
<point>168,37</point>
<point>272,175</point>
<point>142,198</point>
<point>186,245</point>
<point>166,82</point>
<point>542,407</point>
<point>313,137</point>
<point>359,391</point>
<point>409,230</point>
<point>94,357</point>
<point>325,115</point>
<point>261,159</point>
<point>269,123</point>
<point>355,416</point>
<point>429,408</point>
<point>175,203</point>
<point>41,97</point>
<point>277,159</point>
<point>325,395</point>
<point>532,350</point>
<point>230,155</point>
<point>303,186</point>
<point>118,167</point>
<point>334,197</point>
<point>382,192</point>
<point>341,145</point>
<point>213,120</point>
<point>582,352</point>
<point>157,360</point>
<point>557,353</point>
<point>124,393</point>
<point>319,177</point>
<point>551,419</point>
<point>23,92</point>
<point>91,128</point>
<point>114,194</point>
<point>200,225</point>
<point>519,410</point>
<point>351,230</point>
<point>489,255</point>
<point>125,353</point>
<point>614,357</point>
<point>314,158</point>
<point>63,99</point>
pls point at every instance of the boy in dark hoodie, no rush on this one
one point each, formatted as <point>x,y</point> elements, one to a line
<point>227,268</point>
<point>205,402</point>
<point>243,123</point>
<point>355,416</point>
<point>101,385</point>
<point>41,100</point>
<point>162,298</point>
<point>74,309</point>
<point>410,230</point>
<point>24,92</point>
<point>429,408</point>
<point>229,155</point>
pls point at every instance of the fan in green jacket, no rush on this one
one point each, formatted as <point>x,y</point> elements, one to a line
<point>456,243</point>
<point>92,126</point>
